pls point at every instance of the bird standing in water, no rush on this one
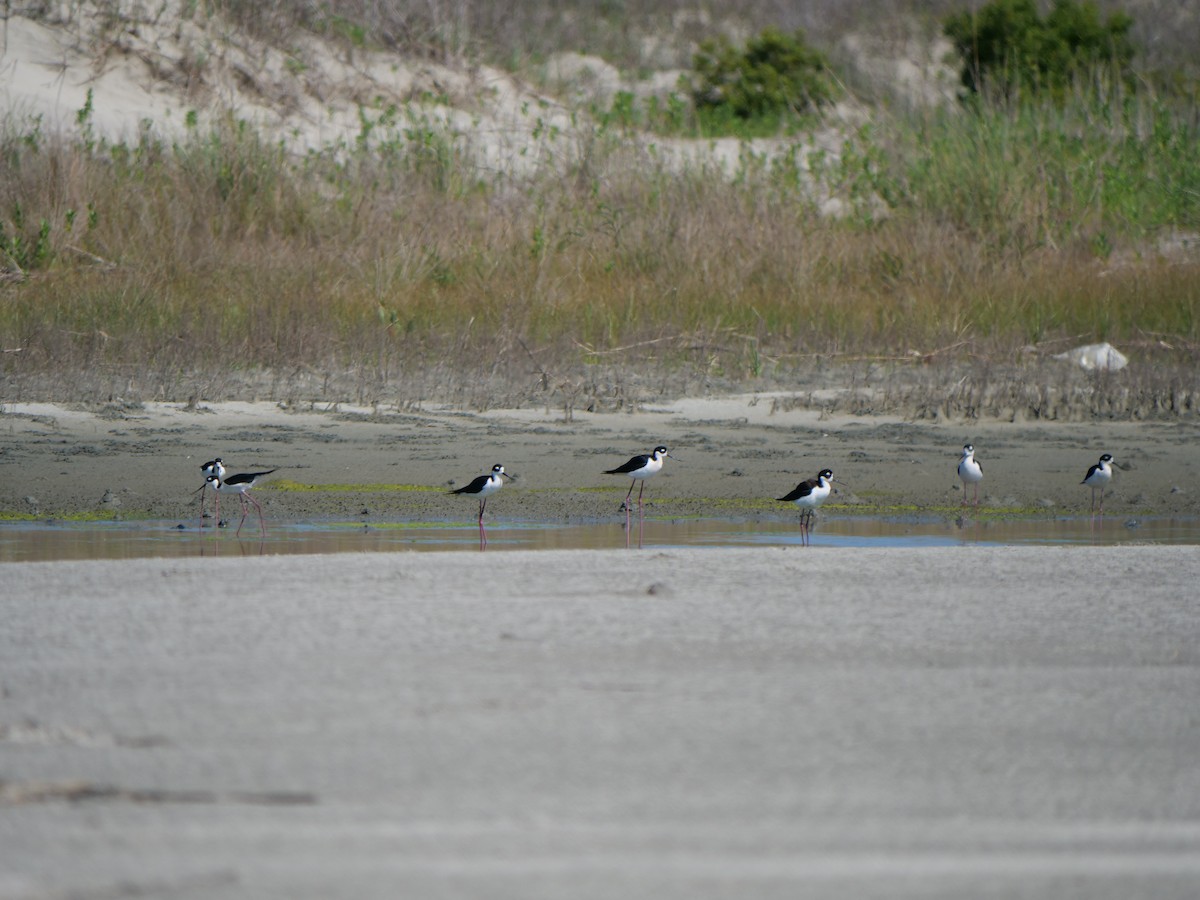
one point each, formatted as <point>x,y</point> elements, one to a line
<point>241,484</point>
<point>212,467</point>
<point>970,471</point>
<point>483,487</point>
<point>1097,478</point>
<point>639,468</point>
<point>808,495</point>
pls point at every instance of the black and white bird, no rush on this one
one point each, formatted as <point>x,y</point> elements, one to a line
<point>484,486</point>
<point>639,468</point>
<point>212,467</point>
<point>808,495</point>
<point>970,471</point>
<point>1097,478</point>
<point>241,484</point>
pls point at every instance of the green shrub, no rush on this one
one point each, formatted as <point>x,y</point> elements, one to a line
<point>1008,49</point>
<point>23,249</point>
<point>774,77</point>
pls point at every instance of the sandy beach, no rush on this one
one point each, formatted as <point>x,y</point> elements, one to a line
<point>667,723</point>
<point>1005,722</point>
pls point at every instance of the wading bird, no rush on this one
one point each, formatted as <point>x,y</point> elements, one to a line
<point>639,468</point>
<point>808,495</point>
<point>212,467</point>
<point>970,471</point>
<point>241,485</point>
<point>1097,478</point>
<point>483,487</point>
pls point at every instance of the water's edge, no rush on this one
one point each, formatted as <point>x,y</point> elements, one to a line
<point>53,540</point>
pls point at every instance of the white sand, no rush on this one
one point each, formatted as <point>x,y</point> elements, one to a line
<point>165,64</point>
<point>663,724</point>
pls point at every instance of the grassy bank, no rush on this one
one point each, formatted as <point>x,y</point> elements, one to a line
<point>394,269</point>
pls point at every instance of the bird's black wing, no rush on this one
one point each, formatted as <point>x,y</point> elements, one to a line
<point>638,462</point>
<point>475,486</point>
<point>247,477</point>
<point>803,489</point>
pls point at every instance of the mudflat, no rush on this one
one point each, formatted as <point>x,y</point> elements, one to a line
<point>735,455</point>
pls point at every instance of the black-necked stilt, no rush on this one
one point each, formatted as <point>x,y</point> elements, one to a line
<point>1097,478</point>
<point>970,471</point>
<point>212,467</point>
<point>808,495</point>
<point>241,484</point>
<point>639,468</point>
<point>484,486</point>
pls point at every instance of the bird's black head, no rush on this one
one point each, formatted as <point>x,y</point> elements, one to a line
<point>826,473</point>
<point>967,448</point>
<point>1106,458</point>
<point>661,451</point>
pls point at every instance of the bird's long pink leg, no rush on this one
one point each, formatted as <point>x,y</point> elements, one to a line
<point>262,524</point>
<point>242,498</point>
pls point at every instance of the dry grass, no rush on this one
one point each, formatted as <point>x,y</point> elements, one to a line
<point>1030,386</point>
<point>221,267</point>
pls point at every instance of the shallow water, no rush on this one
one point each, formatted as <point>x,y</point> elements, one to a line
<point>50,541</point>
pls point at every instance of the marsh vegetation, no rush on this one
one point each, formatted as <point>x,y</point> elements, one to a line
<point>932,259</point>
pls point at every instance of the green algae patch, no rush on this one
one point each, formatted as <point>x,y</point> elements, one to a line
<point>78,516</point>
<point>19,517</point>
<point>297,487</point>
